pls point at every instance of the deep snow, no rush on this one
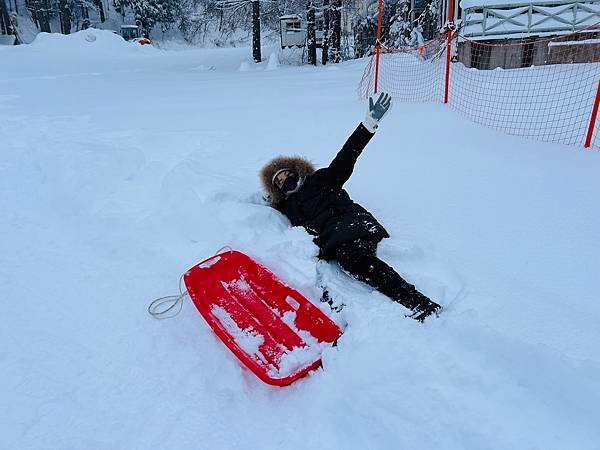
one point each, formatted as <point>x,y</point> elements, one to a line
<point>121,166</point>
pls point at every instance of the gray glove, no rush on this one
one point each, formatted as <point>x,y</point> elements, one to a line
<point>377,110</point>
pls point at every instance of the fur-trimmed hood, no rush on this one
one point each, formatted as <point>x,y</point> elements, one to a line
<point>301,166</point>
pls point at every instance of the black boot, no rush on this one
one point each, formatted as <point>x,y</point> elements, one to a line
<point>424,308</point>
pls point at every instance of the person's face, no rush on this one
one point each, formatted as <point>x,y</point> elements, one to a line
<point>281,177</point>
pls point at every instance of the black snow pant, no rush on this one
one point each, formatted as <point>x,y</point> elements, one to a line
<point>358,257</point>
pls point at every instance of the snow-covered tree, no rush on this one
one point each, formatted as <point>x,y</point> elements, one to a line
<point>400,25</point>
<point>150,12</point>
<point>40,12</point>
<point>236,5</point>
<point>404,29</point>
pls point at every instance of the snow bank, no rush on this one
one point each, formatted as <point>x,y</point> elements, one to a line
<point>273,62</point>
<point>92,42</point>
<point>244,67</point>
<point>79,54</point>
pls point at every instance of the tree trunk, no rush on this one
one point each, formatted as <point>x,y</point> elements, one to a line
<point>100,6</point>
<point>85,16</point>
<point>336,32</point>
<point>325,45</point>
<point>256,31</point>
<point>5,27</point>
<point>65,17</point>
<point>40,13</point>
<point>44,16</point>
<point>311,35</point>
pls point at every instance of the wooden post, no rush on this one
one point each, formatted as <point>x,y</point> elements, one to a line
<point>449,48</point>
<point>593,117</point>
<point>378,44</point>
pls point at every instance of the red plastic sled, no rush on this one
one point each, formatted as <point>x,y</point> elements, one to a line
<point>273,329</point>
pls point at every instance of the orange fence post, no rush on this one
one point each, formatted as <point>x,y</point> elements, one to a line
<point>449,48</point>
<point>378,43</point>
<point>588,138</point>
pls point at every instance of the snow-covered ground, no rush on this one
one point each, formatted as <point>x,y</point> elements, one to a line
<point>121,166</point>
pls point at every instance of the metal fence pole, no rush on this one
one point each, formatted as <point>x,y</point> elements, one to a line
<point>588,138</point>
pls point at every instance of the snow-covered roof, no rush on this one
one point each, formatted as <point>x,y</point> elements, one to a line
<point>464,4</point>
<point>290,16</point>
<point>129,26</point>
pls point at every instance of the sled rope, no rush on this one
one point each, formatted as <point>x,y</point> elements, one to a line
<point>171,305</point>
<point>168,306</point>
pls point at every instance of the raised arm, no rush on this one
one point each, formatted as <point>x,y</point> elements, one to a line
<point>342,166</point>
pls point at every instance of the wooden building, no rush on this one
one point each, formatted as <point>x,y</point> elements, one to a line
<point>531,25</point>
<point>293,30</point>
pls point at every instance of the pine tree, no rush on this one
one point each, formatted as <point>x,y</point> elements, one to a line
<point>150,12</point>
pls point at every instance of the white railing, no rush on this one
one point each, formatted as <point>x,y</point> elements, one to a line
<point>483,19</point>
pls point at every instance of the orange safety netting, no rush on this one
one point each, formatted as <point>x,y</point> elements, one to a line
<point>538,88</point>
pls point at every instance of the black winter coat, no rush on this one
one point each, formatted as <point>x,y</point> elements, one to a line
<point>325,209</point>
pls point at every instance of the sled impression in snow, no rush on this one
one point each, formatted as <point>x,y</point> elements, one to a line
<point>273,329</point>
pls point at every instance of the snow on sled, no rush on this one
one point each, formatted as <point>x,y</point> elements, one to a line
<point>273,329</point>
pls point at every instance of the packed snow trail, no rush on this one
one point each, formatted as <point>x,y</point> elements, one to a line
<point>122,166</point>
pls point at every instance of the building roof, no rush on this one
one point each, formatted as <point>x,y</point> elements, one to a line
<point>290,16</point>
<point>464,4</point>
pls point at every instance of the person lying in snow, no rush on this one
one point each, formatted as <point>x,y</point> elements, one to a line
<point>345,231</point>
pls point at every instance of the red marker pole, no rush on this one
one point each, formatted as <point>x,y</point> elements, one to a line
<point>588,138</point>
<point>449,48</point>
<point>378,43</point>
